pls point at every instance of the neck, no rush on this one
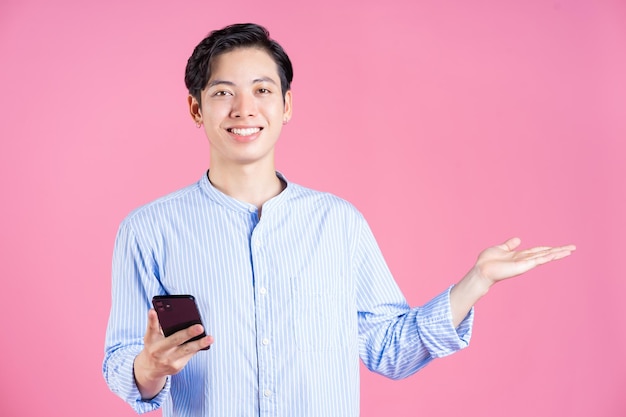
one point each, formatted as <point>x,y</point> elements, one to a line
<point>248,184</point>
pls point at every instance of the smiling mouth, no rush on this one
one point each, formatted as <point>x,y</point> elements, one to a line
<point>245,132</point>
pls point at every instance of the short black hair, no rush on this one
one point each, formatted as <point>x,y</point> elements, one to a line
<point>240,35</point>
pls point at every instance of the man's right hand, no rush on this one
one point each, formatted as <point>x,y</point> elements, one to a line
<point>162,356</point>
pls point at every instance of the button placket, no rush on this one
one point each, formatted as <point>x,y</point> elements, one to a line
<point>263,326</point>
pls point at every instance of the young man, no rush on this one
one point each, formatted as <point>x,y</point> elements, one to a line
<point>290,282</point>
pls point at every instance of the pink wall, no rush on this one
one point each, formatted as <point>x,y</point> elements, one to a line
<point>451,125</point>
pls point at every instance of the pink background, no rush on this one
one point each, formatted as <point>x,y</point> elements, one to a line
<point>451,125</point>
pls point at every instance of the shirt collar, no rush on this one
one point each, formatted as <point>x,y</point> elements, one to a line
<point>237,205</point>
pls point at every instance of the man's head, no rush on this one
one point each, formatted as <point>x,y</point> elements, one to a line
<point>241,35</point>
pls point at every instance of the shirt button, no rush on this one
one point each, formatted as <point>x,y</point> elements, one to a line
<point>265,341</point>
<point>263,290</point>
<point>267,393</point>
<point>257,243</point>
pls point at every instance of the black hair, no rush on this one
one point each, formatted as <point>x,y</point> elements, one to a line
<point>240,35</point>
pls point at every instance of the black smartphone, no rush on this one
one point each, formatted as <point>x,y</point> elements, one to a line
<point>177,312</point>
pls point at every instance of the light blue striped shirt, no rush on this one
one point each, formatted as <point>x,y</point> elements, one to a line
<point>292,300</point>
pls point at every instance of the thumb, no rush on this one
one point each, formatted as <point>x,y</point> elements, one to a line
<point>510,244</point>
<point>153,331</point>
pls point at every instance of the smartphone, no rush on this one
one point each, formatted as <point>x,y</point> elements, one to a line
<point>177,312</point>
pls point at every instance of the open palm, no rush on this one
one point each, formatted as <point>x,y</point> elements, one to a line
<point>503,261</point>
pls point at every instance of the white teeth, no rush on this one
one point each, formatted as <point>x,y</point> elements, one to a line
<point>245,132</point>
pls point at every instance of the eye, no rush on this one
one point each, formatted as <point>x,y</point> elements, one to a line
<point>222,93</point>
<point>263,91</point>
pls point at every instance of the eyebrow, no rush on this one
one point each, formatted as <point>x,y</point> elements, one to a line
<point>230,83</point>
<point>218,82</point>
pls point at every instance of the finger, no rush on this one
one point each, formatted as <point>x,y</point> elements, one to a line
<point>184,335</point>
<point>545,253</point>
<point>549,248</point>
<point>536,249</point>
<point>510,244</point>
<point>544,258</point>
<point>533,254</point>
<point>153,321</point>
<point>178,354</point>
<point>153,330</point>
<point>553,256</point>
<point>190,348</point>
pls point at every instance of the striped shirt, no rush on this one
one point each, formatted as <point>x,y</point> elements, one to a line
<point>292,299</point>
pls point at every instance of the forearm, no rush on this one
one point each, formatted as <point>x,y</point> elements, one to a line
<point>471,288</point>
<point>412,340</point>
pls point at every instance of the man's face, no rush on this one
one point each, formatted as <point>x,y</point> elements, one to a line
<point>242,110</point>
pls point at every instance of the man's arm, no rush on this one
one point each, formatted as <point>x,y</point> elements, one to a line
<point>497,264</point>
<point>136,369</point>
<point>396,340</point>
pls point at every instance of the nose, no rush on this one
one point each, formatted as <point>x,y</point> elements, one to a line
<point>244,105</point>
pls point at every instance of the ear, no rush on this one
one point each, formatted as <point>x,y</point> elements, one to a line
<point>194,109</point>
<point>288,107</point>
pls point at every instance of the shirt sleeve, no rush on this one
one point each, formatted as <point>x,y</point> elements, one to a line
<point>396,340</point>
<point>132,273</point>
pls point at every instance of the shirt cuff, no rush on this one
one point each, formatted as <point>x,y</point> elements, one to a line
<point>437,331</point>
<point>143,406</point>
<point>121,378</point>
